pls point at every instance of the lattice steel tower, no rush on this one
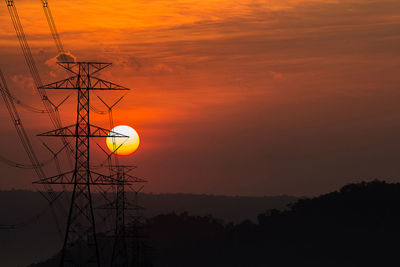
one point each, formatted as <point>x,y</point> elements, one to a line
<point>120,257</point>
<point>80,244</point>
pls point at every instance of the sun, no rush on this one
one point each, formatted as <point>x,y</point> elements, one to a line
<point>123,146</point>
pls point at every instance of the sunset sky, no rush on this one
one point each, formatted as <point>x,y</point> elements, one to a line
<point>246,97</point>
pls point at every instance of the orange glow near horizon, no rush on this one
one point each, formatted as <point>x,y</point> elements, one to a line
<point>123,146</point>
<point>221,90</point>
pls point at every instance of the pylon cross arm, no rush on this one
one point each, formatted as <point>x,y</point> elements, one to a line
<point>101,132</point>
<point>101,179</point>
<point>74,66</point>
<point>100,84</point>
<point>133,179</point>
<point>69,178</point>
<point>95,131</point>
<point>65,131</point>
<point>69,83</point>
<point>63,178</point>
<point>72,83</point>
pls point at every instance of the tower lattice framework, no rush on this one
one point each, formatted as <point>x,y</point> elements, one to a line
<point>80,244</point>
<point>124,209</point>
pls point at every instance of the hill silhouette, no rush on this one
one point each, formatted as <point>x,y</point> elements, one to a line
<point>40,239</point>
<point>355,226</point>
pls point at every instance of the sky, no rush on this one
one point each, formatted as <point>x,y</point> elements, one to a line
<point>246,97</point>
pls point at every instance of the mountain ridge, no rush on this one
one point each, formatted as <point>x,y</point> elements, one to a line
<point>40,238</point>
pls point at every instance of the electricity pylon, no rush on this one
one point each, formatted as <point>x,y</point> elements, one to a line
<point>138,246</point>
<point>119,257</point>
<point>80,244</point>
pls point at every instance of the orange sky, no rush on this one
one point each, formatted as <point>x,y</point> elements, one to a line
<point>230,97</point>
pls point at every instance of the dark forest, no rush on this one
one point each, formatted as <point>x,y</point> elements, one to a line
<point>355,226</point>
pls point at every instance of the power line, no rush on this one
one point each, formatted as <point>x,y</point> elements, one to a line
<point>49,107</point>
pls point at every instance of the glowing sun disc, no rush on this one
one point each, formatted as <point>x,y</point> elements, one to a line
<point>120,145</point>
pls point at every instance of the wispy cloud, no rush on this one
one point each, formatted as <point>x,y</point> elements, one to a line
<point>278,82</point>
